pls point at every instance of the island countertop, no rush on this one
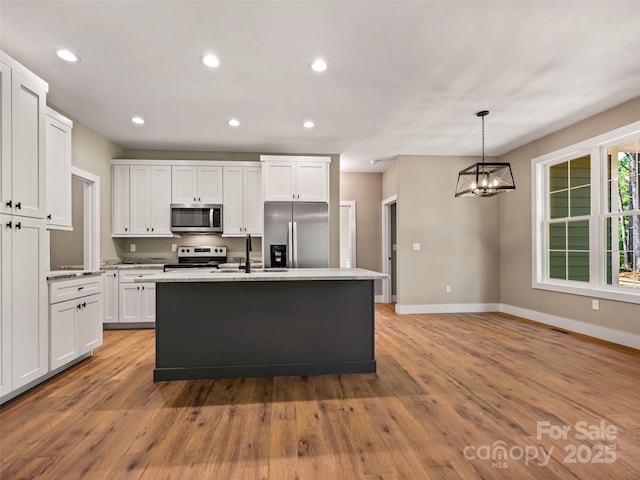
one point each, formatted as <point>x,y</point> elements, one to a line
<point>293,274</point>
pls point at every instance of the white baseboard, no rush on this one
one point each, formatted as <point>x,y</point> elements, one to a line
<point>603,333</point>
<point>449,308</point>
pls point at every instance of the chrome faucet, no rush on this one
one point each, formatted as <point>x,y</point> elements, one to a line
<point>247,264</point>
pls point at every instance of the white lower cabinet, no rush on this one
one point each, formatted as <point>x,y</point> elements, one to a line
<point>76,323</point>
<point>111,296</point>
<point>137,301</point>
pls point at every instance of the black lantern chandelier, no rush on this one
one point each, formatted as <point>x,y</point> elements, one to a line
<point>485,179</point>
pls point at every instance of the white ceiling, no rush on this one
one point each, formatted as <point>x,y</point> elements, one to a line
<point>403,77</point>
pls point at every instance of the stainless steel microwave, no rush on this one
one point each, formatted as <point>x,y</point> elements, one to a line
<point>196,218</point>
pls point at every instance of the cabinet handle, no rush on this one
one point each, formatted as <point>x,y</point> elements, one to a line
<point>80,288</point>
<point>126,229</point>
<point>143,287</point>
<point>18,226</point>
<point>9,204</point>
<point>194,199</point>
<point>84,304</point>
<point>114,275</point>
<point>9,224</point>
<point>78,306</point>
<point>147,229</point>
<point>19,205</point>
<point>152,229</point>
<point>199,199</point>
<point>138,288</point>
<point>49,217</point>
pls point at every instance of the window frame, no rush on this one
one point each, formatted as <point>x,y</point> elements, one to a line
<point>596,147</point>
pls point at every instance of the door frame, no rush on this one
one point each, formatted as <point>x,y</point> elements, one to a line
<point>387,247</point>
<point>91,234</point>
<point>351,204</point>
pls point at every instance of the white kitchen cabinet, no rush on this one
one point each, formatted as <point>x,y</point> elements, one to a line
<point>120,200</point>
<point>193,184</point>
<point>58,161</point>
<point>242,200</point>
<point>149,199</point>
<point>295,179</point>
<point>22,176</point>
<point>27,299</point>
<point>111,296</point>
<point>137,301</point>
<point>5,305</point>
<point>75,323</point>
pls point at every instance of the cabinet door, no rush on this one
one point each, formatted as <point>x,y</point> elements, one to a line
<point>279,181</point>
<point>233,213</point>
<point>29,303</point>
<point>5,143</point>
<point>129,307</point>
<point>184,184</point>
<point>148,302</point>
<point>28,177</point>
<point>89,323</point>
<point>311,182</point>
<point>120,200</point>
<point>111,296</point>
<point>210,184</point>
<point>252,199</point>
<point>58,160</point>
<point>64,334</point>
<point>139,197</point>
<point>5,305</point>
<point>160,202</point>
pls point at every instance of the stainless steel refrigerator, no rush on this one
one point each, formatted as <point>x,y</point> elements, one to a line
<point>303,229</point>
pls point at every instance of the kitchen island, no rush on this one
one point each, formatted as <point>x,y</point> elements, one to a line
<point>221,324</point>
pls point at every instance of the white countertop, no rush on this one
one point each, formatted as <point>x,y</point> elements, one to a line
<point>293,274</point>
<point>66,274</point>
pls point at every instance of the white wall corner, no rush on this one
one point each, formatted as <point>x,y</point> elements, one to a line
<point>603,333</point>
<point>379,299</point>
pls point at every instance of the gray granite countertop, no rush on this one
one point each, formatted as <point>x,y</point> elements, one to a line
<point>66,274</point>
<point>258,275</point>
<point>128,266</point>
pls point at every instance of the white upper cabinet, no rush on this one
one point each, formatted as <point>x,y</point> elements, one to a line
<point>23,141</point>
<point>242,200</point>
<point>149,201</point>
<point>120,200</point>
<point>295,179</point>
<point>193,184</point>
<point>58,160</point>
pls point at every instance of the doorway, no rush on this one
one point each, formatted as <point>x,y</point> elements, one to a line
<point>348,234</point>
<point>389,243</point>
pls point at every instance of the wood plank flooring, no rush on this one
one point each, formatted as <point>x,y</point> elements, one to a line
<point>449,392</point>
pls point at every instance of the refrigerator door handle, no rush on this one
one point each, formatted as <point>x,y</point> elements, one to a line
<point>290,246</point>
<point>295,244</point>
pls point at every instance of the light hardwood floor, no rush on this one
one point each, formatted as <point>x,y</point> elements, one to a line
<point>449,389</point>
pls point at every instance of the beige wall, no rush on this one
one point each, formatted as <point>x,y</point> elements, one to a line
<point>366,190</point>
<point>390,181</point>
<point>458,236</point>
<point>515,231</point>
<point>67,247</point>
<point>93,153</point>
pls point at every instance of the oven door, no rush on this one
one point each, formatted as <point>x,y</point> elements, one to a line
<point>196,218</point>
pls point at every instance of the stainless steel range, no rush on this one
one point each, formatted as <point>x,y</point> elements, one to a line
<point>199,257</point>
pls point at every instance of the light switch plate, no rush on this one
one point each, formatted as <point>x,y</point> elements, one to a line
<point>132,247</point>
<point>416,247</point>
<point>595,304</point>
<point>174,247</point>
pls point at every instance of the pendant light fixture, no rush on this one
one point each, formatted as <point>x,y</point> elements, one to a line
<point>485,179</point>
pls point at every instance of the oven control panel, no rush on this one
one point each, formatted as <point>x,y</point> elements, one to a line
<point>202,251</point>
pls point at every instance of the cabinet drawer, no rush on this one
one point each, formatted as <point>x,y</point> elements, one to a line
<point>128,276</point>
<point>78,287</point>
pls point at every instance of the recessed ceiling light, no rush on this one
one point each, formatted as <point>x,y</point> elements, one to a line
<point>308,124</point>
<point>137,120</point>
<point>234,122</point>
<point>67,55</point>
<point>210,60</point>
<point>319,65</point>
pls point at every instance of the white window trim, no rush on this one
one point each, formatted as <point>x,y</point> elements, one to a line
<point>596,147</point>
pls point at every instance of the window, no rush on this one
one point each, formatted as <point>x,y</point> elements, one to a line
<point>586,217</point>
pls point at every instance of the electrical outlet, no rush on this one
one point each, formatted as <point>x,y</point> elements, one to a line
<point>595,304</point>
<point>174,247</point>
<point>416,247</point>
<point>447,289</point>
<point>132,247</point>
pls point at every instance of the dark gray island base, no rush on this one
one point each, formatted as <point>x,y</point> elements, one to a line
<point>228,329</point>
